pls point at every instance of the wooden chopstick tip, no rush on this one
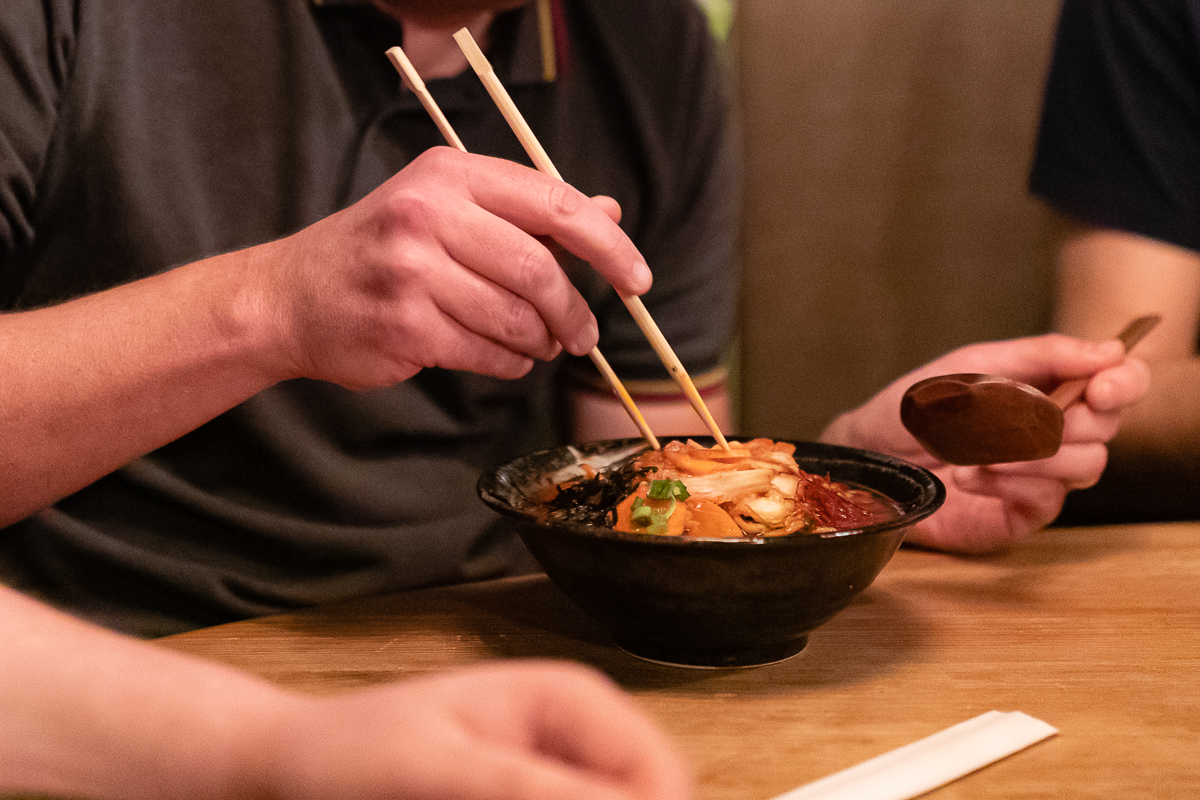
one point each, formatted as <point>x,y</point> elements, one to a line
<point>408,72</point>
<point>466,43</point>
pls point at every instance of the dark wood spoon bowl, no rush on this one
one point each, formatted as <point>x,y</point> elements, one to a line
<point>972,419</point>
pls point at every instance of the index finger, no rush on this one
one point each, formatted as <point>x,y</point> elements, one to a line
<point>1043,361</point>
<point>565,725</point>
<point>599,728</point>
<point>544,206</point>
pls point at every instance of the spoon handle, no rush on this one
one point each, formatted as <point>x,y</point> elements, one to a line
<point>1134,332</point>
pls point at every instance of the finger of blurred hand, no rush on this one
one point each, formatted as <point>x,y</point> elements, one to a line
<point>506,730</point>
<point>570,733</point>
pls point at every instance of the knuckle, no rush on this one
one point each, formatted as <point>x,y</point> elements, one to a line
<point>520,321</point>
<point>409,211</point>
<point>532,269</point>
<point>436,159</point>
<point>563,202</point>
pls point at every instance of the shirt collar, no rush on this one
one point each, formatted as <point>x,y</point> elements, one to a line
<point>535,53</point>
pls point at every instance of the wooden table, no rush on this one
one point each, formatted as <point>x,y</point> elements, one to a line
<point>1096,631</point>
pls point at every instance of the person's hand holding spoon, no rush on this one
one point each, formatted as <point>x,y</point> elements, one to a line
<point>972,419</point>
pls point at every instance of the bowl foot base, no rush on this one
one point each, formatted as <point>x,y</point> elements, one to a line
<point>712,658</point>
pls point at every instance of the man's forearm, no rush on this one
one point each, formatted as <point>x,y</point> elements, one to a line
<point>90,384</point>
<point>1107,277</point>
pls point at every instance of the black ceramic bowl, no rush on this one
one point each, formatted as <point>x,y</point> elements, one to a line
<point>708,602</point>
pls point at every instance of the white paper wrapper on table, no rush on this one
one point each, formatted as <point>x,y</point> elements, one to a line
<point>924,765</point>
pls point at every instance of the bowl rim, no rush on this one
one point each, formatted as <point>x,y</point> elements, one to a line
<point>932,496</point>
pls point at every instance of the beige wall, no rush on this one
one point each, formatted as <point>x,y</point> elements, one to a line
<point>887,217</point>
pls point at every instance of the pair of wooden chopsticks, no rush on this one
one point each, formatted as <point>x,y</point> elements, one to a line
<point>542,161</point>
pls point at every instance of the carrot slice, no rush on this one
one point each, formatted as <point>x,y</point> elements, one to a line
<point>710,521</point>
<point>676,523</point>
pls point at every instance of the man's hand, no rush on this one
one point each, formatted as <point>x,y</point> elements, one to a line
<point>442,266</point>
<point>448,264</point>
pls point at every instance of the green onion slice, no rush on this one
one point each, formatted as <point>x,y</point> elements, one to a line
<point>642,515</point>
<point>667,489</point>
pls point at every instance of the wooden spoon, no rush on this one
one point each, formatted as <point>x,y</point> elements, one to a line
<point>971,419</point>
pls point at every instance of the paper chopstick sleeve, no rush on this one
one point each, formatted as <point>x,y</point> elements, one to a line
<point>926,764</point>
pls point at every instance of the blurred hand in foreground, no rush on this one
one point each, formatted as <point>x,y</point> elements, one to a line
<point>528,730</point>
<point>988,508</point>
<point>126,718</point>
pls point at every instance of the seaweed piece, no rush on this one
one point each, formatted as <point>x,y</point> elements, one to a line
<point>593,501</point>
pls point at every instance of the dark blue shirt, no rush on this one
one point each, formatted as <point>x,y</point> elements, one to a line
<point>1119,143</point>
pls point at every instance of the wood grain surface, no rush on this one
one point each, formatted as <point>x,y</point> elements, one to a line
<point>1094,630</point>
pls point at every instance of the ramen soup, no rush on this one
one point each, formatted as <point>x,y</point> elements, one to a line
<point>753,490</point>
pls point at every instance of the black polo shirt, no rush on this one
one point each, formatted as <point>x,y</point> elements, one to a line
<point>136,135</point>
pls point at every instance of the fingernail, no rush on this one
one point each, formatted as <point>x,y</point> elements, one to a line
<point>586,339</point>
<point>643,278</point>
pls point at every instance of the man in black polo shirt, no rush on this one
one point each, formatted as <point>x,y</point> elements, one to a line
<point>147,135</point>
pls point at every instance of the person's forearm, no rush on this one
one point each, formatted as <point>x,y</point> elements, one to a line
<point>88,713</point>
<point>1106,277</point>
<point>90,384</point>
